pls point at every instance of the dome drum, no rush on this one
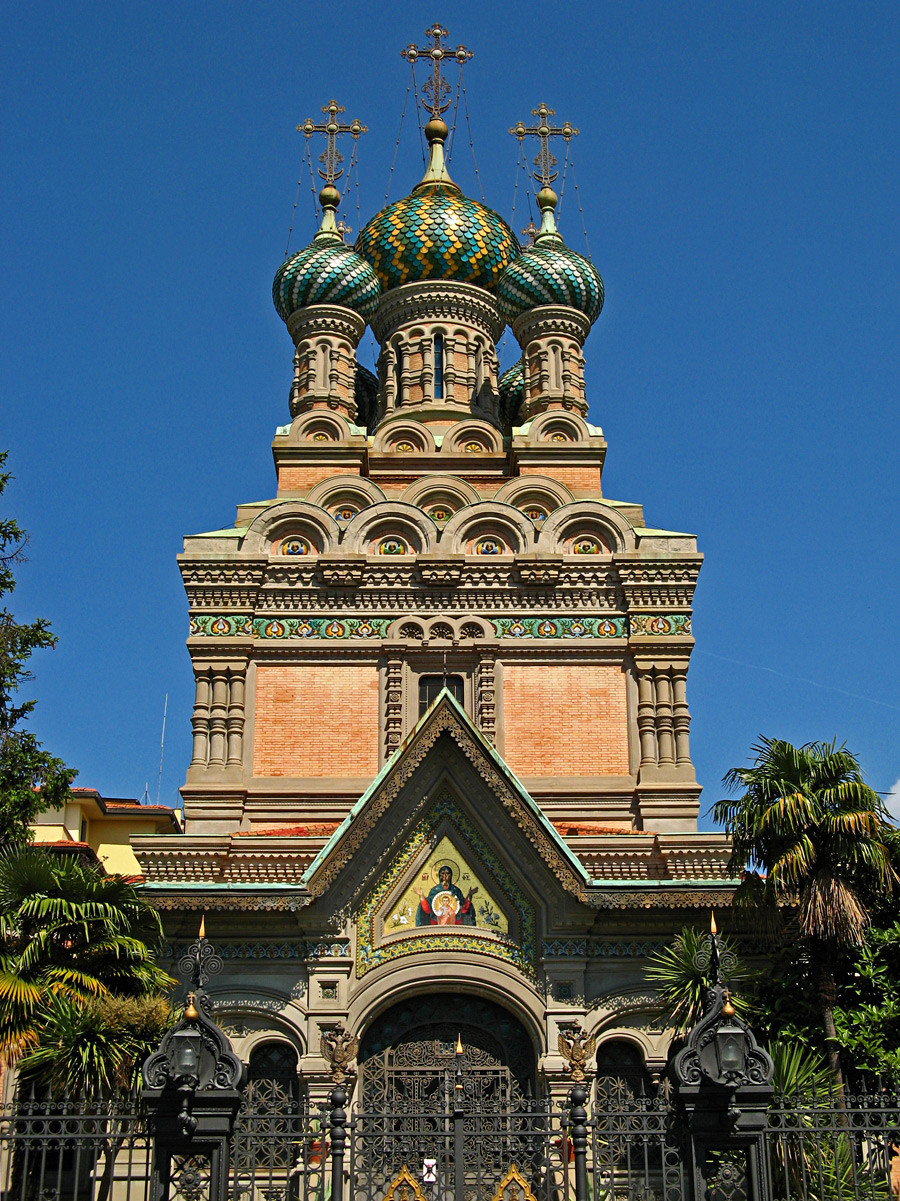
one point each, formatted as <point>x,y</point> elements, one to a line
<point>438,355</point>
<point>325,366</point>
<point>551,338</point>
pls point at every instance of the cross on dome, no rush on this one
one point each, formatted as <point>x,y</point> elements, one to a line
<point>544,160</point>
<point>436,89</point>
<point>331,159</point>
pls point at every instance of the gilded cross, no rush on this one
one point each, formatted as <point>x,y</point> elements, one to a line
<point>332,127</point>
<point>436,89</point>
<point>544,160</point>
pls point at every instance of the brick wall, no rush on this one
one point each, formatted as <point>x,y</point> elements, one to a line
<point>294,478</point>
<point>316,720</point>
<point>565,719</point>
<point>580,480</point>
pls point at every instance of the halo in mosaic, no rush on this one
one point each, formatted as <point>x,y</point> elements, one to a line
<point>326,272</point>
<point>550,274</point>
<point>437,233</point>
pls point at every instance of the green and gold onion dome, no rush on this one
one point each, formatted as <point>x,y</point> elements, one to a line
<point>326,272</point>
<point>549,273</point>
<point>436,232</point>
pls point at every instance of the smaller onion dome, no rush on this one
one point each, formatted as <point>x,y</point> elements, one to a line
<point>327,271</point>
<point>511,386</point>
<point>549,273</point>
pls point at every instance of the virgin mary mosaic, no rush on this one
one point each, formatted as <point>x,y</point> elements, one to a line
<point>447,894</point>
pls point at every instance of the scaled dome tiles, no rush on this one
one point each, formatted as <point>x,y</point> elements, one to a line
<point>437,233</point>
<point>326,272</point>
<point>550,274</point>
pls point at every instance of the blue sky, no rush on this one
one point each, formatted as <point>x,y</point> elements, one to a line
<point>738,169</point>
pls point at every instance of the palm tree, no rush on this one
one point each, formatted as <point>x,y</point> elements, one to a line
<point>683,986</point>
<point>68,930</point>
<point>807,831</point>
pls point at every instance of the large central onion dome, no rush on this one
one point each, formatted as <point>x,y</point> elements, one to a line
<point>550,273</point>
<point>326,272</point>
<point>436,232</point>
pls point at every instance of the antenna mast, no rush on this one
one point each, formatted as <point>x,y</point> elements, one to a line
<point>162,747</point>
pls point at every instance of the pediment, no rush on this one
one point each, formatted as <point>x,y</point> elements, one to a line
<point>445,799</point>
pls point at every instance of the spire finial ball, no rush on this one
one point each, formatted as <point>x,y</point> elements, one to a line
<point>329,197</point>
<point>436,130</point>
<point>547,199</point>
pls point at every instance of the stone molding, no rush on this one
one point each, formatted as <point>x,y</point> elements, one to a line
<point>434,301</point>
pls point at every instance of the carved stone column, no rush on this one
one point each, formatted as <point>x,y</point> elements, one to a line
<point>234,722</point>
<point>681,717</point>
<point>200,719</point>
<point>393,705</point>
<point>646,717</point>
<point>486,697</point>
<point>665,739</point>
<point>218,713</point>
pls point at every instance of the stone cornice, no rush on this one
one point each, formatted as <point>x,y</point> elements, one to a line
<point>437,300</point>
<point>328,319</point>
<point>549,319</point>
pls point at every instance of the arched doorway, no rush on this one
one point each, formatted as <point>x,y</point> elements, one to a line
<point>407,1057</point>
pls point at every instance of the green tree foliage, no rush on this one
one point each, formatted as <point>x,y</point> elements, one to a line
<point>31,780</point>
<point>67,930</point>
<point>95,1048</point>
<point>815,838</point>
<point>683,985</point>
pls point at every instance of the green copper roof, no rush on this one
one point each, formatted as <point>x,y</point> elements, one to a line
<point>326,272</point>
<point>550,273</point>
<point>437,233</point>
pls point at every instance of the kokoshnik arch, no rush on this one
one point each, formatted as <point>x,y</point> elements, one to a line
<point>441,774</point>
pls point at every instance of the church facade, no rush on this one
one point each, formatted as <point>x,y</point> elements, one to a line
<point>441,780</point>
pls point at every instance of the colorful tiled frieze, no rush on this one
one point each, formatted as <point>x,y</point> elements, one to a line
<point>374,948</point>
<point>660,624</point>
<point>233,625</point>
<point>290,627</point>
<point>560,627</point>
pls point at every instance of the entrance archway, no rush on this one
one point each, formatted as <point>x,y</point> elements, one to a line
<point>407,1056</point>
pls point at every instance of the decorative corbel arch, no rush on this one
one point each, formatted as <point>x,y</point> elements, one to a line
<point>319,425</point>
<point>574,527</point>
<point>472,433</point>
<point>470,530</point>
<point>308,523</point>
<point>390,521</point>
<point>558,426</point>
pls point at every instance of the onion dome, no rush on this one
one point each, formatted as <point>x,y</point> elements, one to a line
<point>511,386</point>
<point>326,272</point>
<point>550,273</point>
<point>436,232</point>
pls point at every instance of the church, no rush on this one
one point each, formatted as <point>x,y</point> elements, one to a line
<point>441,785</point>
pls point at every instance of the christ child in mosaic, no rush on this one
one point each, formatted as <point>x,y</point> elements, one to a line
<point>445,905</point>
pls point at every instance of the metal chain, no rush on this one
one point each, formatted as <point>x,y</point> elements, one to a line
<point>562,186</point>
<point>581,211</point>
<point>471,143</point>
<point>419,119</point>
<point>287,244</point>
<point>452,138</point>
<point>399,132</point>
<point>312,185</point>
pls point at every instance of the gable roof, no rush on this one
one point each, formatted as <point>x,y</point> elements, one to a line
<point>446,715</point>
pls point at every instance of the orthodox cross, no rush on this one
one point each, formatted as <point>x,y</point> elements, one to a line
<point>530,232</point>
<point>544,160</point>
<point>331,159</point>
<point>436,89</point>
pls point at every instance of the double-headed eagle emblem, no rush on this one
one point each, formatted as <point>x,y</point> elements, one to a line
<point>339,1047</point>
<point>576,1049</point>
